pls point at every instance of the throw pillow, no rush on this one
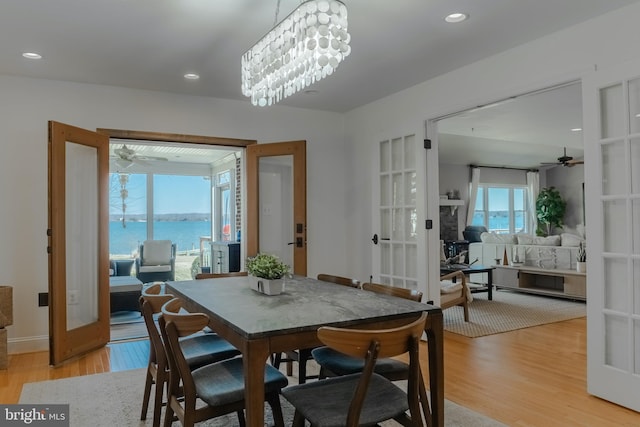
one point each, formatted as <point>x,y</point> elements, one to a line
<point>156,252</point>
<point>568,239</point>
<point>493,237</point>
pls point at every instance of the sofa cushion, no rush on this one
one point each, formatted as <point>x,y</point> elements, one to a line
<point>526,239</point>
<point>568,239</point>
<point>493,237</point>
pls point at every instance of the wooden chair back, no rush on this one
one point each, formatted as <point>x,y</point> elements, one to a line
<point>409,294</point>
<point>344,281</point>
<point>372,344</point>
<point>182,395</point>
<point>217,275</point>
<point>151,302</point>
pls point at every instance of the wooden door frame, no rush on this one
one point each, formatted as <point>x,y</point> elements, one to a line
<point>137,135</point>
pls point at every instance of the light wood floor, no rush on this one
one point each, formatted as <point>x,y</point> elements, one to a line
<point>530,377</point>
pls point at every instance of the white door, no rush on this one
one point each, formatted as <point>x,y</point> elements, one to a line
<point>612,189</point>
<point>395,250</point>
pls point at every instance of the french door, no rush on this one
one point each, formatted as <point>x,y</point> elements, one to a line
<point>395,250</point>
<point>277,202</point>
<point>78,241</point>
<point>612,157</point>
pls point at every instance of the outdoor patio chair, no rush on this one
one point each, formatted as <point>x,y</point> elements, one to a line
<point>157,261</point>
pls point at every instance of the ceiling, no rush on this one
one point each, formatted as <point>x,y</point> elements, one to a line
<point>521,132</point>
<point>151,44</point>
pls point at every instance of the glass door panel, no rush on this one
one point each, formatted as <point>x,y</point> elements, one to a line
<point>276,207</point>
<point>81,233</point>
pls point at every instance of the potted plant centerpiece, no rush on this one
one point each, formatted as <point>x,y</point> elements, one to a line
<point>268,273</point>
<point>581,259</point>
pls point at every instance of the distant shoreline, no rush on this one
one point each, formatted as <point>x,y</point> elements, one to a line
<point>194,217</point>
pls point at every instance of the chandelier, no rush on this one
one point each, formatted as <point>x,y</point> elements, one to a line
<point>305,47</point>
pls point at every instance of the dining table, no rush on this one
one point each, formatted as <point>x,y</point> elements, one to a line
<point>259,325</point>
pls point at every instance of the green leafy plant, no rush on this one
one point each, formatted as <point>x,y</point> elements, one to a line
<point>550,210</point>
<point>266,266</point>
<point>581,256</point>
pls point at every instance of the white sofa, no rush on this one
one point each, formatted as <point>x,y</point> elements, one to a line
<point>556,252</point>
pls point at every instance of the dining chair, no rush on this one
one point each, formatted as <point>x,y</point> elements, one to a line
<point>220,385</point>
<point>455,291</point>
<point>199,350</point>
<point>303,355</point>
<point>334,363</point>
<point>365,398</point>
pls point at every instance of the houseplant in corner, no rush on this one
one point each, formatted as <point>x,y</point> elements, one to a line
<point>581,259</point>
<point>550,209</point>
<point>268,273</point>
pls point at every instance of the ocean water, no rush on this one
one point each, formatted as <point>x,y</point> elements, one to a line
<point>186,235</point>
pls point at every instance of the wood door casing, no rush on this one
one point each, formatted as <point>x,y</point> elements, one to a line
<point>297,149</point>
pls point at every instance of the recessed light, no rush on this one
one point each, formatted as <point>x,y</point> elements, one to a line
<point>191,76</point>
<point>32,55</point>
<point>454,18</point>
<point>576,129</point>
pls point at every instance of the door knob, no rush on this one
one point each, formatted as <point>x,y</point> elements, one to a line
<point>375,239</point>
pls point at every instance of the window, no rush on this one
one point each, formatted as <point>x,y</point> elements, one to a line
<point>502,208</point>
<point>147,206</point>
<point>224,209</point>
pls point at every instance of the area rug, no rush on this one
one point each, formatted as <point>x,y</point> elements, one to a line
<point>509,311</point>
<point>114,399</point>
<point>126,325</point>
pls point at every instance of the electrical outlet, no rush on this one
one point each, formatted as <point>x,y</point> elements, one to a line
<point>73,297</point>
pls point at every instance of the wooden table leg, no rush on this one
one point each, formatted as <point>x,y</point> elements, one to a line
<point>435,343</point>
<point>254,359</point>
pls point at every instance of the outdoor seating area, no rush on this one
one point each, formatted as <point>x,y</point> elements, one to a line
<point>156,261</point>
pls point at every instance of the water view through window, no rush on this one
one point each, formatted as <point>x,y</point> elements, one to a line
<point>181,211</point>
<point>501,209</point>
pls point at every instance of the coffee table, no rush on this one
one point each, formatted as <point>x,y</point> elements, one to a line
<point>473,269</point>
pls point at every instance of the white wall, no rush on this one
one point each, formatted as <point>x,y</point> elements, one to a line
<point>27,104</point>
<point>559,57</point>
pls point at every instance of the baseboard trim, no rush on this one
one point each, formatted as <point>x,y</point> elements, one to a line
<point>28,344</point>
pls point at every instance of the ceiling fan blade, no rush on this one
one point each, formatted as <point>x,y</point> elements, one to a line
<point>163,159</point>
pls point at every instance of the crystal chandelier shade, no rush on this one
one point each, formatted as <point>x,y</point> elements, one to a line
<point>305,47</point>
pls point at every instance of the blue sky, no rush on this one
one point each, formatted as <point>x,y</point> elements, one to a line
<point>173,194</point>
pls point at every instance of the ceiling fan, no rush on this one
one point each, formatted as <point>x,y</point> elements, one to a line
<point>125,157</point>
<point>565,160</point>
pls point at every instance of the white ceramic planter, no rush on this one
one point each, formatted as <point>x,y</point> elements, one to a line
<point>581,267</point>
<point>267,287</point>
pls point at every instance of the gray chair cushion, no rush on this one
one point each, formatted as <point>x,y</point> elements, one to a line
<point>223,382</point>
<point>200,350</point>
<point>342,364</point>
<point>325,403</point>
